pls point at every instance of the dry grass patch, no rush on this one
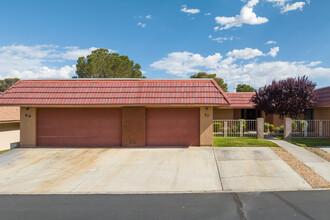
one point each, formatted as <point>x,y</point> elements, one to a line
<point>319,152</point>
<point>312,178</point>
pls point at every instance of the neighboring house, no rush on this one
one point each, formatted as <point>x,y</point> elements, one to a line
<point>9,126</point>
<point>242,108</point>
<point>116,112</point>
<point>322,108</point>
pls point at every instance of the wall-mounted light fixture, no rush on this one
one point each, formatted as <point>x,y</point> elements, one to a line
<point>206,108</point>
<point>27,108</point>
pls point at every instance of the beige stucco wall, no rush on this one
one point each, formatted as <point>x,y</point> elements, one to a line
<point>223,114</point>
<point>28,136</point>
<point>322,113</point>
<point>206,126</point>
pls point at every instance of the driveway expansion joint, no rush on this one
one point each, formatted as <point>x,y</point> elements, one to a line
<point>216,163</point>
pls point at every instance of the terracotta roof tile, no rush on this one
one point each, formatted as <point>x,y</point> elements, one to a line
<point>323,96</point>
<point>240,100</point>
<point>114,92</point>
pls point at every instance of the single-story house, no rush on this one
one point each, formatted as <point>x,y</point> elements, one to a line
<point>116,112</point>
<point>322,108</point>
<point>9,118</point>
<point>242,108</point>
<point>9,126</point>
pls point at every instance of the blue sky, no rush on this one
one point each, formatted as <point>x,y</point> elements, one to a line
<point>249,42</point>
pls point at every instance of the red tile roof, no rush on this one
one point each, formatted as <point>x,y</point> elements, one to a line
<point>114,92</point>
<point>323,96</point>
<point>240,100</point>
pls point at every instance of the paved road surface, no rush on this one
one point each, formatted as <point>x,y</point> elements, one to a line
<point>266,205</point>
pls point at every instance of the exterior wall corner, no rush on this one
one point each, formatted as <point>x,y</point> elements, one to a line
<point>206,126</point>
<point>28,127</point>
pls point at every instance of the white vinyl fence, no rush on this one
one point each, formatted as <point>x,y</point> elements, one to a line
<point>310,129</point>
<point>234,128</point>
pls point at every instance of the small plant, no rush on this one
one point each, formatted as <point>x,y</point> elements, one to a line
<point>277,130</point>
<point>303,123</point>
<point>294,126</point>
<point>244,124</point>
<point>217,126</point>
<point>266,127</point>
<point>271,128</point>
<point>234,128</point>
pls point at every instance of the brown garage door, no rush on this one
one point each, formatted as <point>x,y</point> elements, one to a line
<point>79,127</point>
<point>172,127</point>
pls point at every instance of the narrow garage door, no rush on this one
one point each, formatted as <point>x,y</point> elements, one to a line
<point>79,127</point>
<point>172,126</point>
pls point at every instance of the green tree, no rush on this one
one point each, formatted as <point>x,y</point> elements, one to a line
<point>103,64</point>
<point>218,80</point>
<point>244,88</point>
<point>6,83</point>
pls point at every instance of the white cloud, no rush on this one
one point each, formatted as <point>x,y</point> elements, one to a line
<point>73,52</point>
<point>42,72</point>
<point>293,7</point>
<point>221,39</point>
<point>273,51</point>
<point>39,61</point>
<point>207,14</point>
<point>245,54</point>
<point>189,10</point>
<point>234,71</point>
<point>278,3</point>
<point>148,17</point>
<point>314,63</point>
<point>271,42</point>
<point>246,16</point>
<point>141,24</point>
<point>286,5</point>
<point>181,63</point>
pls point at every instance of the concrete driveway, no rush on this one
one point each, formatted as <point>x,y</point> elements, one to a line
<point>145,170</point>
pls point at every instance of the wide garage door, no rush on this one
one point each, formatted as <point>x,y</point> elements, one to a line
<point>79,127</point>
<point>172,126</point>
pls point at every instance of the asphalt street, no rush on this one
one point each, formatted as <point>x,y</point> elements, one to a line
<point>264,205</point>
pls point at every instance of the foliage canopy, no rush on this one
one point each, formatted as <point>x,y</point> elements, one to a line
<point>103,64</point>
<point>218,80</point>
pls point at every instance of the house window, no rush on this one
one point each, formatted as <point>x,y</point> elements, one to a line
<point>250,114</point>
<point>309,114</point>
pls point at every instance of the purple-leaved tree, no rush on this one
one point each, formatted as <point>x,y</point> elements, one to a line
<point>290,97</point>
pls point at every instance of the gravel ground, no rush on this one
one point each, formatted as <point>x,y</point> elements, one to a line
<point>319,152</point>
<point>313,179</point>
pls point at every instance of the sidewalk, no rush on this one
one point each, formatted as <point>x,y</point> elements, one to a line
<point>316,163</point>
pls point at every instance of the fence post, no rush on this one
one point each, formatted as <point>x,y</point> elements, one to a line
<point>305,129</point>
<point>320,128</point>
<point>225,129</point>
<point>287,128</point>
<point>241,128</point>
<point>260,128</point>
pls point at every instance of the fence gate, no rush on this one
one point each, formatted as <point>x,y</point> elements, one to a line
<point>310,129</point>
<point>234,128</point>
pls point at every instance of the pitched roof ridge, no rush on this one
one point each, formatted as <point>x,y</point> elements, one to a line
<point>221,91</point>
<point>11,87</point>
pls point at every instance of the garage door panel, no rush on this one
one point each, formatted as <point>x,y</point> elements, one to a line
<point>79,127</point>
<point>172,127</point>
